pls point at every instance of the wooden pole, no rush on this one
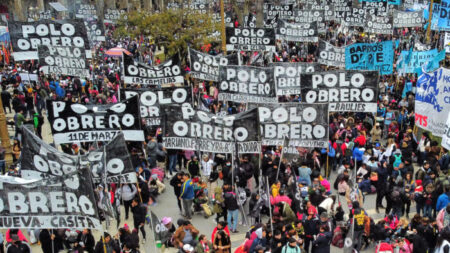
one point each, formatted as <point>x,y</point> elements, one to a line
<point>4,136</point>
<point>430,15</point>
<point>224,38</point>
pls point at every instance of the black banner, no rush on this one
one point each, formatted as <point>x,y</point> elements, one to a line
<point>168,72</point>
<point>305,125</point>
<point>25,37</point>
<point>152,100</point>
<point>272,11</point>
<point>250,39</point>
<point>344,90</point>
<point>287,76</point>
<point>85,11</point>
<point>206,67</point>
<point>39,160</point>
<point>375,8</point>
<point>72,122</point>
<point>355,17</point>
<point>111,16</point>
<point>69,61</point>
<point>247,84</point>
<point>300,32</point>
<point>187,128</point>
<point>94,30</point>
<point>408,18</point>
<point>330,55</point>
<point>57,202</point>
<point>379,25</point>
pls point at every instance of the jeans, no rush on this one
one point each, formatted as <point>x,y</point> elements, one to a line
<point>3,166</point>
<point>428,211</point>
<point>172,163</point>
<point>235,215</point>
<point>187,205</point>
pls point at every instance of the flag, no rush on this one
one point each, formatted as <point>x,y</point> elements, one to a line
<point>161,232</point>
<point>5,54</point>
<point>348,242</point>
<point>434,63</point>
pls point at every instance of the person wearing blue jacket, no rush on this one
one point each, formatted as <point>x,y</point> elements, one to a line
<point>358,153</point>
<point>443,200</point>
<point>187,195</point>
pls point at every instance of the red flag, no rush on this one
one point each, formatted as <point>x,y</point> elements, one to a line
<point>5,54</point>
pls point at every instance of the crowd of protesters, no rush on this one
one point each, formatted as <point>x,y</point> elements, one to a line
<point>286,206</point>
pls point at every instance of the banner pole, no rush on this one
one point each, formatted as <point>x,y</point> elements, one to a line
<point>281,157</point>
<point>270,206</point>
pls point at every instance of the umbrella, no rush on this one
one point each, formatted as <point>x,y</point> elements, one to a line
<point>117,52</point>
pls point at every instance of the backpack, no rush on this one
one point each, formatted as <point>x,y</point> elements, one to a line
<point>349,150</point>
<point>338,237</point>
<point>395,195</point>
<point>398,159</point>
<point>284,250</point>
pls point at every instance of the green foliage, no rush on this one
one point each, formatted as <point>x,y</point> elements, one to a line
<point>173,29</point>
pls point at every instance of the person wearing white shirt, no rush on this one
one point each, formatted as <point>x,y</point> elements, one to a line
<point>207,168</point>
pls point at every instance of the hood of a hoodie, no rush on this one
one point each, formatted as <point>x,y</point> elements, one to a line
<point>259,233</point>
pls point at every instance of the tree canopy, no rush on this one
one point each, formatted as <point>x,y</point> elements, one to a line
<point>173,29</point>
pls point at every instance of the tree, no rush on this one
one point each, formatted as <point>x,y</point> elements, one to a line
<point>175,30</point>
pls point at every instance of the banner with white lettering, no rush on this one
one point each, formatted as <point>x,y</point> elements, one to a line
<point>250,39</point>
<point>69,61</point>
<point>85,11</point>
<point>40,160</point>
<point>287,76</point>
<point>375,8</point>
<point>378,24</point>
<point>151,101</point>
<point>300,32</point>
<point>447,42</point>
<point>247,84</point>
<point>94,30</point>
<point>446,136</point>
<point>58,202</point>
<point>355,17</point>
<point>187,128</point>
<point>111,16</point>
<point>273,11</point>
<point>206,67</point>
<point>72,122</point>
<point>169,72</point>
<point>370,56</point>
<point>314,15</point>
<point>408,18</point>
<point>331,55</point>
<point>343,90</point>
<point>305,125</point>
<point>25,36</point>
<point>432,105</point>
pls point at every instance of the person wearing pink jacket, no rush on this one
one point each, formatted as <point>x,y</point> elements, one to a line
<point>9,232</point>
<point>443,218</point>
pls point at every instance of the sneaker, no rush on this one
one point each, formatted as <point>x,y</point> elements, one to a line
<point>143,241</point>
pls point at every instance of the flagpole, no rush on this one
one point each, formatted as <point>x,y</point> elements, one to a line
<point>270,207</point>
<point>281,156</point>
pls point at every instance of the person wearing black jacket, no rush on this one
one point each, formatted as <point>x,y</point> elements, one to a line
<point>311,227</point>
<point>46,237</point>
<point>277,242</point>
<point>176,183</point>
<point>111,245</point>
<point>419,241</point>
<point>232,207</point>
<point>139,212</point>
<point>85,241</point>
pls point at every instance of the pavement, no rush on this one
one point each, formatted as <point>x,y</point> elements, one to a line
<point>167,206</point>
